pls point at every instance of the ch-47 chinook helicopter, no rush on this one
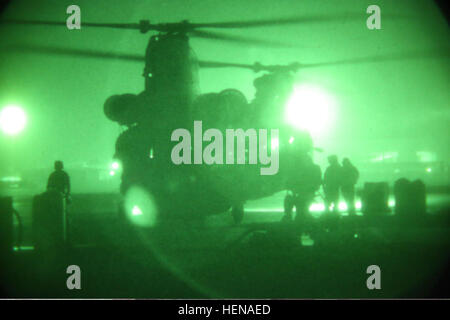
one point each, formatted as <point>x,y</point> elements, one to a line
<point>170,100</point>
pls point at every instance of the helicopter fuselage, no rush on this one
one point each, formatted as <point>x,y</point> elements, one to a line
<point>171,102</point>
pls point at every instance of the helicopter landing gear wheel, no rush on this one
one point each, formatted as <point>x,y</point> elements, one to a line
<point>237,212</point>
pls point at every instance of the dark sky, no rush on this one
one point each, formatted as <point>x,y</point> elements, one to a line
<point>396,106</point>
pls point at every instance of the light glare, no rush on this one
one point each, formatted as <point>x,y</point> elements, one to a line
<point>136,211</point>
<point>115,165</point>
<point>12,120</point>
<point>309,109</point>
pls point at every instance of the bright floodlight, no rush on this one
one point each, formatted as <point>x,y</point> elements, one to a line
<point>12,120</point>
<point>115,165</point>
<point>310,109</point>
<point>136,211</point>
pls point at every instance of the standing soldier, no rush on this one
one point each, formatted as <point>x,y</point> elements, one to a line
<point>59,180</point>
<point>331,183</point>
<point>350,177</point>
<point>303,186</point>
<point>307,188</point>
<point>50,219</point>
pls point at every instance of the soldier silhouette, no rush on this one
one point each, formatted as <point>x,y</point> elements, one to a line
<point>331,183</point>
<point>350,177</point>
<point>59,180</point>
<point>312,180</point>
<point>303,186</point>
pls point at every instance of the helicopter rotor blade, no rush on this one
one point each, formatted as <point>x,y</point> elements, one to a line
<point>277,22</point>
<point>400,56</point>
<point>237,39</point>
<point>33,22</point>
<point>184,26</point>
<point>144,25</point>
<point>256,67</point>
<point>133,26</point>
<point>85,53</point>
<point>214,64</point>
